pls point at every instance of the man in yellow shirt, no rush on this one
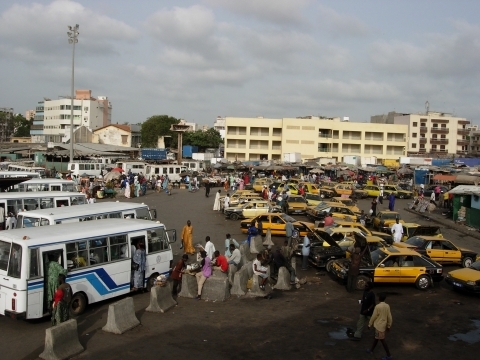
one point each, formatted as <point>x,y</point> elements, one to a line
<point>445,200</point>
<point>382,322</point>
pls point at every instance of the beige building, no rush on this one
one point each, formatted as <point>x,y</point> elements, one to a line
<point>248,139</point>
<point>119,135</point>
<point>436,133</point>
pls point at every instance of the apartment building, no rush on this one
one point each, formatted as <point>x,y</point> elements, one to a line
<point>219,125</point>
<point>52,118</point>
<point>436,133</point>
<point>248,139</point>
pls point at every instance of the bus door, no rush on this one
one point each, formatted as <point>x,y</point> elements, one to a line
<point>134,241</point>
<point>50,255</point>
<point>59,202</point>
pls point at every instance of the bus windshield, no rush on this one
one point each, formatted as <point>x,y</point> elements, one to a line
<point>4,254</point>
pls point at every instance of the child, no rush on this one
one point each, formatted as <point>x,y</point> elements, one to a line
<point>382,322</point>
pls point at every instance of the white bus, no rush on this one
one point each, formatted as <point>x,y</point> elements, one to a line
<point>89,167</point>
<point>45,185</point>
<point>97,211</point>
<point>22,168</point>
<point>136,167</point>
<point>19,174</point>
<point>172,170</point>
<point>16,202</point>
<point>101,257</point>
<point>193,165</point>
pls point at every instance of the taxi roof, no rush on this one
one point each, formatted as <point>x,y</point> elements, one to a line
<point>400,251</point>
<point>431,238</point>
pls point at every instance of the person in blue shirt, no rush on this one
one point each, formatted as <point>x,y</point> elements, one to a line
<point>305,252</point>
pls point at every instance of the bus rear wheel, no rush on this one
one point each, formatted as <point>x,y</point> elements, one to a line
<point>78,304</point>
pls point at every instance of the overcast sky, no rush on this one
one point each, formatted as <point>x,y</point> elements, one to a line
<point>245,58</point>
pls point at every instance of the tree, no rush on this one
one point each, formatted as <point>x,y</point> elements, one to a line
<point>21,126</point>
<point>203,139</point>
<point>155,126</point>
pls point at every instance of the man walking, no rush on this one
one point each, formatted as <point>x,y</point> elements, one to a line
<point>366,310</point>
<point>289,232</point>
<point>382,322</point>
<point>354,270</point>
<point>397,231</point>
<point>187,238</point>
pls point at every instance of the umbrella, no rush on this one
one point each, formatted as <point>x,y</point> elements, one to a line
<point>117,169</point>
<point>112,175</point>
<point>318,171</point>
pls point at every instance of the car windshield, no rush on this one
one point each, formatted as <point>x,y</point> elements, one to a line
<point>378,256</point>
<point>475,265</point>
<point>287,218</point>
<point>313,197</point>
<point>415,241</point>
<point>297,199</point>
<point>348,202</point>
<point>390,216</point>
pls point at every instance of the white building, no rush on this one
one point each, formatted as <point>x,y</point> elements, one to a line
<point>219,125</point>
<point>93,113</point>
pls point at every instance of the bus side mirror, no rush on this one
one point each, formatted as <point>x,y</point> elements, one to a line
<point>172,235</point>
<point>153,213</point>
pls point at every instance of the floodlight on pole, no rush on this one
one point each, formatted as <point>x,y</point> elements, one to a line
<point>72,39</point>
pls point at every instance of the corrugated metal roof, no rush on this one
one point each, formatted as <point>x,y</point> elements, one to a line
<point>465,190</point>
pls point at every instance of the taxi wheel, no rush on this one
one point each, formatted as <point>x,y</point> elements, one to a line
<point>362,280</point>
<point>234,216</point>
<point>423,282</point>
<point>328,265</point>
<point>467,261</point>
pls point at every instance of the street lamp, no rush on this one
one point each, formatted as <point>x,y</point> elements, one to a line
<point>72,39</point>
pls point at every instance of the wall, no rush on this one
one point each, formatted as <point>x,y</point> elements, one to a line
<point>112,135</point>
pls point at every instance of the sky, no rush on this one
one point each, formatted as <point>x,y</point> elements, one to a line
<point>197,60</point>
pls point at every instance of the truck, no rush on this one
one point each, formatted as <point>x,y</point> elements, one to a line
<point>326,161</point>
<point>352,160</point>
<point>293,157</point>
<point>188,150</point>
<point>202,156</point>
<point>368,160</point>
<point>415,160</point>
<point>153,154</point>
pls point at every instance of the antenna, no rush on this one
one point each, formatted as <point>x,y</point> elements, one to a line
<point>427,106</point>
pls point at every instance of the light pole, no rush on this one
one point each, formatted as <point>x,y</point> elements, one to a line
<point>72,39</point>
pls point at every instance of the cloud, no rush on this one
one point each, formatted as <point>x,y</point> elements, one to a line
<point>38,32</point>
<point>340,25</point>
<point>279,12</point>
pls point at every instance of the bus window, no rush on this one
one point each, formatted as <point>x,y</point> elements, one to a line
<point>56,188</point>
<point>30,221</point>
<point>98,251</point>
<point>143,214</point>
<point>15,264</point>
<point>4,254</point>
<point>165,171</point>
<point>68,187</point>
<point>129,215</point>
<point>77,252</point>
<point>157,240</point>
<point>30,204</point>
<point>118,247</point>
<point>44,222</point>
<point>115,215</point>
<point>72,167</point>
<point>46,203</point>
<point>170,170</point>
<point>177,170</point>
<point>76,200</point>
<point>14,206</point>
<point>62,203</point>
<point>34,267</point>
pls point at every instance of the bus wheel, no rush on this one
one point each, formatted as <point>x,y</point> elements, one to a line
<point>78,304</point>
<point>151,281</point>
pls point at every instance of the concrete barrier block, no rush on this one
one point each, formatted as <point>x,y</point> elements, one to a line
<point>61,341</point>
<point>256,245</point>
<point>256,291</point>
<point>268,239</point>
<point>161,299</point>
<point>283,280</point>
<point>232,269</point>
<point>240,279</point>
<point>216,287</point>
<point>246,254</point>
<point>189,287</point>
<point>249,269</point>
<point>121,317</point>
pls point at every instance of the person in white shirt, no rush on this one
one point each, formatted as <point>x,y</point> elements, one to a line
<point>236,256</point>
<point>261,271</point>
<point>226,201</point>
<point>209,247</point>
<point>11,222</point>
<point>397,231</point>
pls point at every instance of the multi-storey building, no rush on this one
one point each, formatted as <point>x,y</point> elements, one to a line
<point>29,114</point>
<point>436,133</point>
<point>54,116</point>
<point>219,125</point>
<point>249,139</point>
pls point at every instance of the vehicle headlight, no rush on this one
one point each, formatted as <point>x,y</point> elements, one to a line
<point>448,276</point>
<point>470,282</point>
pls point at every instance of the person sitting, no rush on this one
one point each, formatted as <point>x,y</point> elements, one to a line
<point>220,262</point>
<point>279,260</point>
<point>261,271</point>
<point>236,256</point>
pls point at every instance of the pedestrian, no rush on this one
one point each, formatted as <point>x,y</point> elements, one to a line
<point>373,208</point>
<point>229,241</point>
<point>226,202</point>
<point>289,232</point>
<point>127,189</point>
<point>61,301</point>
<point>391,202</point>
<point>432,196</point>
<point>11,222</point>
<point>252,231</point>
<point>354,270</point>
<point>382,322</point>
<point>366,310</point>
<point>207,189</point>
<point>445,200</point>
<point>139,266</point>
<point>177,273</point>
<point>397,231</point>
<point>437,191</point>
<point>187,239</point>
<point>203,275</point>
<point>279,260</point>
<point>305,252</point>
<point>169,187</point>
<point>261,271</point>
<point>363,218</point>
<point>53,270</point>
<point>216,203</point>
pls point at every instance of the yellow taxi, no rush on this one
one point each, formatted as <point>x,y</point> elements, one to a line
<point>338,211</point>
<point>343,189</point>
<point>414,229</point>
<point>374,191</point>
<point>391,265</point>
<point>384,236</point>
<point>399,192</point>
<point>347,202</point>
<point>296,204</point>
<point>276,223</point>
<point>258,184</point>
<point>328,184</point>
<point>441,250</point>
<point>385,219</point>
<point>310,188</point>
<point>467,279</point>
<point>284,187</point>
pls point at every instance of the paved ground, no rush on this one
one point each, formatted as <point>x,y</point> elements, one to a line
<point>308,323</point>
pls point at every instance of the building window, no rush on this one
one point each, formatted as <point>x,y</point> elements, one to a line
<point>435,125</point>
<point>444,125</point>
<point>415,124</point>
<point>442,147</point>
<point>124,139</point>
<point>423,124</point>
<point>414,146</point>
<point>414,135</point>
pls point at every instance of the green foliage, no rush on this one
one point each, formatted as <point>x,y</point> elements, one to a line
<point>203,139</point>
<point>155,126</point>
<point>21,126</point>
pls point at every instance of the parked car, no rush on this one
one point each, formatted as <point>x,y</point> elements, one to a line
<point>374,191</point>
<point>391,265</point>
<point>441,250</point>
<point>384,236</point>
<point>414,229</point>
<point>248,210</point>
<point>276,223</point>
<point>296,204</point>
<point>337,210</point>
<point>348,203</point>
<point>258,184</point>
<point>399,192</point>
<point>467,279</point>
<point>428,191</point>
<point>320,255</point>
<point>292,187</point>
<point>385,219</point>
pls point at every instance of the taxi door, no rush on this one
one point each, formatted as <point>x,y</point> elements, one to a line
<point>409,272</point>
<point>434,251</point>
<point>450,253</point>
<point>249,211</point>
<point>277,224</point>
<point>265,220</point>
<point>260,208</point>
<point>388,271</point>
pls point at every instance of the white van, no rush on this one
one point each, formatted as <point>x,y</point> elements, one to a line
<point>172,170</point>
<point>89,167</point>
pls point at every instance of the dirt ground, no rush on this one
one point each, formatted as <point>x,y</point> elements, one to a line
<point>305,323</point>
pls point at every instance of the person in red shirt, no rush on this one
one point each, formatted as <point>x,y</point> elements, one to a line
<point>221,262</point>
<point>328,220</point>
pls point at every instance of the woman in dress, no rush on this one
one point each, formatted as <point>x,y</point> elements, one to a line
<point>127,189</point>
<point>216,204</point>
<point>139,258</point>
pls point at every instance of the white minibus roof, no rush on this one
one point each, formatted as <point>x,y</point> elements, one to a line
<point>50,235</point>
<point>48,181</point>
<point>38,194</point>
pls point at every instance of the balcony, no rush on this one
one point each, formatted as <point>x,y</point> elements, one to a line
<point>438,150</point>
<point>422,151</point>
<point>325,136</point>
<point>423,140</point>
<point>462,152</point>
<point>463,142</point>
<point>423,129</point>
<point>436,141</point>
<point>439,130</point>
<point>463,131</point>
<point>324,150</point>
